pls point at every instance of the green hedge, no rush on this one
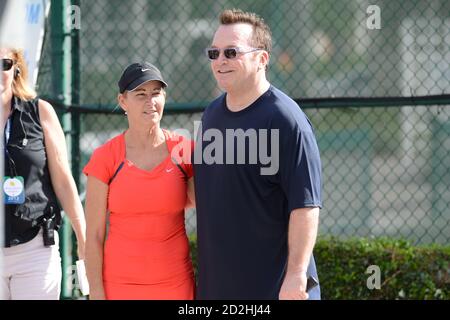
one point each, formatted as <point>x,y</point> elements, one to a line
<point>407,271</point>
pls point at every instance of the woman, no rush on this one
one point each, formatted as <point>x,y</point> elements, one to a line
<point>37,175</point>
<point>136,178</point>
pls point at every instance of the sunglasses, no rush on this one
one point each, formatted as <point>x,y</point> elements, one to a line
<point>229,53</point>
<point>7,64</point>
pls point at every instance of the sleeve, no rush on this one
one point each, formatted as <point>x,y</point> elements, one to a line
<point>101,165</point>
<point>300,166</point>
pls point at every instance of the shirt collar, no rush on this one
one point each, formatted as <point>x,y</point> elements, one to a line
<point>17,103</point>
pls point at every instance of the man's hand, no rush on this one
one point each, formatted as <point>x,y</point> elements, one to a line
<point>294,287</point>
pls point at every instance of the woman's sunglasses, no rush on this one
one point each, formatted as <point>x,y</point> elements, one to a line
<point>229,53</point>
<point>7,64</point>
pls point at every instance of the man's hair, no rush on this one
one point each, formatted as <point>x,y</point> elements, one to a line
<point>261,37</point>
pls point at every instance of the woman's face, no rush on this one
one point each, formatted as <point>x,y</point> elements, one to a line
<point>145,104</point>
<point>7,75</point>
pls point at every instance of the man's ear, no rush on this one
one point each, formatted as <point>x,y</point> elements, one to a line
<point>264,60</point>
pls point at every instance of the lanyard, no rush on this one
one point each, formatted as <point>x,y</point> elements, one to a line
<point>12,165</point>
<point>7,132</point>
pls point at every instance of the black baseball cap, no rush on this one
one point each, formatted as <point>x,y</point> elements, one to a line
<point>138,73</point>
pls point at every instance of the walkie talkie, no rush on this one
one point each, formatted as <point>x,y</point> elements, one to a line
<point>48,229</point>
<point>311,283</point>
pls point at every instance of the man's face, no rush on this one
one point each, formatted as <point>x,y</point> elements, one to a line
<point>240,72</point>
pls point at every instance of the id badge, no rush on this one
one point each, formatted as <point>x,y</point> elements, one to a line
<point>14,190</point>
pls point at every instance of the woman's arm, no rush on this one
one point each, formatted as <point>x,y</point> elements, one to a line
<point>61,176</point>
<point>96,206</point>
<point>190,203</point>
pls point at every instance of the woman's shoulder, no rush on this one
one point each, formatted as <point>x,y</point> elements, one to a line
<point>112,147</point>
<point>180,145</point>
<point>106,158</point>
<point>44,108</point>
<point>180,135</point>
<point>42,104</point>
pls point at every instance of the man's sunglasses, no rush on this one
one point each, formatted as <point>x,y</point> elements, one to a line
<point>7,64</point>
<point>229,53</point>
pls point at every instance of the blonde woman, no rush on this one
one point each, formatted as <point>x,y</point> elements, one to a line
<point>37,175</point>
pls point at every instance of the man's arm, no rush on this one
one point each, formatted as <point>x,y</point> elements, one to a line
<point>302,233</point>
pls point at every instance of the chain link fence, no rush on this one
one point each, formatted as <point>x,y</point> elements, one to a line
<point>386,169</point>
<point>321,48</point>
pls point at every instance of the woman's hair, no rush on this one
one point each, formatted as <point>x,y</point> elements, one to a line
<point>20,86</point>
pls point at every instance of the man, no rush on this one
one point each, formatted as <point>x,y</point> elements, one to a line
<point>256,225</point>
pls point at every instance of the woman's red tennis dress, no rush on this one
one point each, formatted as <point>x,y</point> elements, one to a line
<point>146,254</point>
